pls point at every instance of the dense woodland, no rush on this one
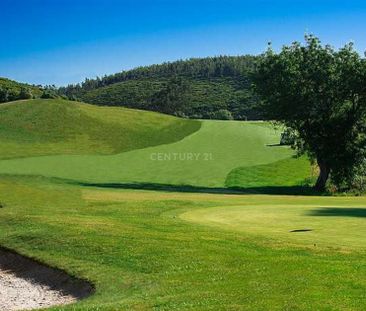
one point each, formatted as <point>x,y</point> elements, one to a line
<point>212,87</point>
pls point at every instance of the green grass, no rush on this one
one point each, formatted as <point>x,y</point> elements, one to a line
<point>162,251</point>
<point>217,148</point>
<point>283,173</point>
<point>43,127</point>
<point>321,225</point>
<point>150,250</point>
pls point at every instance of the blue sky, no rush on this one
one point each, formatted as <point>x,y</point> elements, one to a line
<point>63,41</point>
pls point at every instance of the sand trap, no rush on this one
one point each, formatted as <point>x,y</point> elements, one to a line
<point>26,284</point>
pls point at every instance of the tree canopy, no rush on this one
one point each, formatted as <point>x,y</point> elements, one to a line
<point>211,84</point>
<point>319,93</point>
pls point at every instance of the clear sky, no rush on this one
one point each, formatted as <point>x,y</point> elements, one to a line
<point>64,41</point>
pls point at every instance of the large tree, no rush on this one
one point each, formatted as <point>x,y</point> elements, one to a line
<point>319,93</point>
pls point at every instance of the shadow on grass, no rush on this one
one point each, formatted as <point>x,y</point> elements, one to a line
<point>275,145</point>
<point>290,190</point>
<point>273,190</point>
<point>339,212</point>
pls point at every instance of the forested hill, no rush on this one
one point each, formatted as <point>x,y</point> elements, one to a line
<point>212,87</point>
<point>11,90</point>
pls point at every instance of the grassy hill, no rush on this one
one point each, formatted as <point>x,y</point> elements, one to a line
<point>168,250</point>
<point>106,145</point>
<point>282,173</point>
<point>12,90</point>
<point>55,126</point>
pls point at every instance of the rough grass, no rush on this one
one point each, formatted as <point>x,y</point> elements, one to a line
<point>141,255</point>
<point>41,127</point>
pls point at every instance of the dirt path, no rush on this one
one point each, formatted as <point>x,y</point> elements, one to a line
<point>25,284</point>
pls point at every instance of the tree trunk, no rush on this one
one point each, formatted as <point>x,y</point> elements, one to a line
<point>323,176</point>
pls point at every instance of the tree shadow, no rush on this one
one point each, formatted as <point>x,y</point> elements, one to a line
<point>274,145</point>
<point>275,190</point>
<point>339,212</point>
<point>300,230</point>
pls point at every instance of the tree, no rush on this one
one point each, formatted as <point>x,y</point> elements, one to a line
<point>172,97</point>
<point>4,95</point>
<point>288,137</point>
<point>49,92</point>
<point>221,114</point>
<point>320,93</point>
<point>25,93</point>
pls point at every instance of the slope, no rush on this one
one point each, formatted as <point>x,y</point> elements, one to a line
<point>203,159</point>
<point>55,126</point>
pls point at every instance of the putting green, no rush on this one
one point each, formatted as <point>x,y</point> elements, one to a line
<point>142,256</point>
<point>314,225</point>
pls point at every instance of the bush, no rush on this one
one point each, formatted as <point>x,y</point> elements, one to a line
<point>288,137</point>
<point>4,95</point>
<point>181,114</point>
<point>25,93</point>
<point>47,94</point>
<point>221,114</point>
<point>357,181</point>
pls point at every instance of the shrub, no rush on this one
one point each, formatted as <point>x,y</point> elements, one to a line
<point>48,94</point>
<point>288,137</point>
<point>4,95</point>
<point>25,93</point>
<point>221,114</point>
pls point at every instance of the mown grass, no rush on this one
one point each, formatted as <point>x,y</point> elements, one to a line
<point>43,127</point>
<point>217,148</point>
<point>283,173</point>
<point>327,224</point>
<point>157,250</point>
<point>142,253</point>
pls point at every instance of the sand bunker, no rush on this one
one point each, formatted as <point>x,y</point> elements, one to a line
<point>26,284</point>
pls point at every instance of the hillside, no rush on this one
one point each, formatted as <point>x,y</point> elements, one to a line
<point>92,144</point>
<point>55,126</point>
<point>11,90</point>
<point>210,88</point>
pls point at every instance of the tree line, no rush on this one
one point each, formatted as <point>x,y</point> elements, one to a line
<point>7,95</point>
<point>209,67</point>
<point>211,88</point>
